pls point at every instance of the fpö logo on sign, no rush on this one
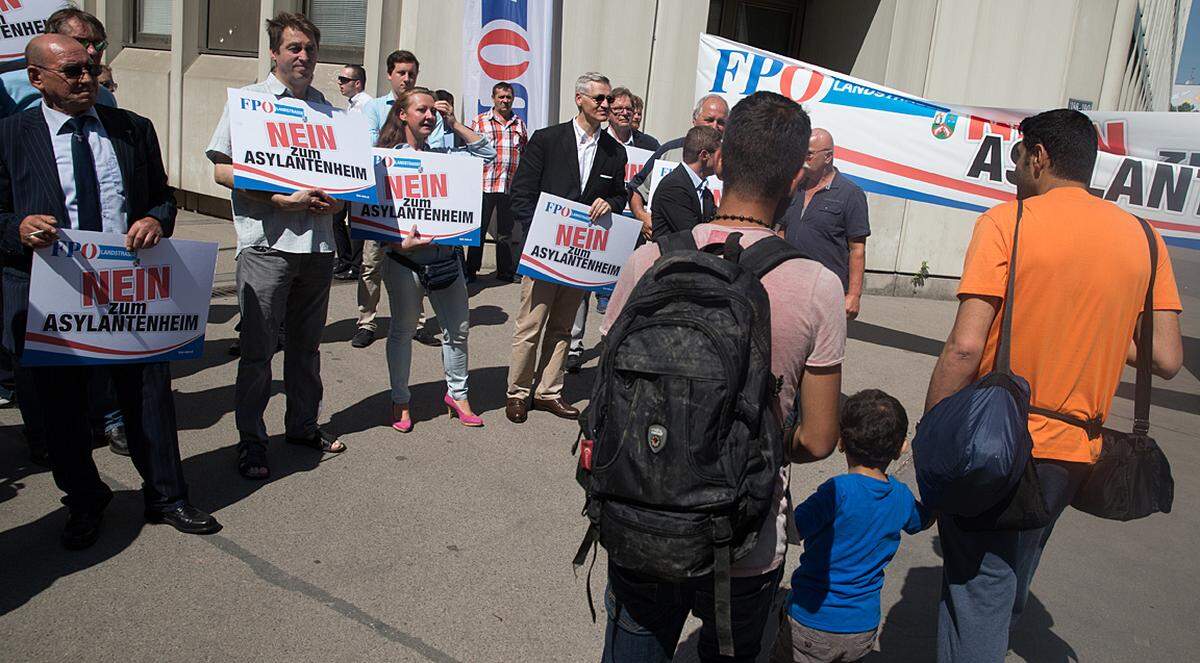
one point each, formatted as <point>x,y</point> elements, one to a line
<point>270,107</point>
<point>563,210</point>
<point>743,72</point>
<point>399,163</point>
<point>92,251</point>
<point>504,51</point>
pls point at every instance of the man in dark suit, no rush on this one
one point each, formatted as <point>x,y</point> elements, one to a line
<point>69,163</point>
<point>578,161</point>
<point>682,199</point>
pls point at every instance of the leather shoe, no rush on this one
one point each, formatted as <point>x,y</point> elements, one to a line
<point>118,443</point>
<point>517,410</point>
<point>82,529</point>
<point>557,407</point>
<point>362,338</point>
<point>186,518</point>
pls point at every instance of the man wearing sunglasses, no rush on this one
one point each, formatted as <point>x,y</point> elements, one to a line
<point>579,161</point>
<point>348,263</point>
<point>17,94</point>
<point>351,82</point>
<point>69,164</point>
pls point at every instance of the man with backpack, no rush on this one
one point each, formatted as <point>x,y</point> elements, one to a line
<point>1081,279</point>
<point>685,460</point>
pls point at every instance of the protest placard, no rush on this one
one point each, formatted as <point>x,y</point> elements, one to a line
<point>21,22</point>
<point>93,302</point>
<point>637,158</point>
<point>440,194</point>
<point>563,246</point>
<point>283,145</point>
<point>662,168</point>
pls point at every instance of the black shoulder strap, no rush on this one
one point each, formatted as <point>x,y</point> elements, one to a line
<point>1145,353</point>
<point>678,241</point>
<point>1004,350</point>
<point>767,254</point>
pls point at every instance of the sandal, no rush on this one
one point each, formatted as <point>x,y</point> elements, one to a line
<point>321,441</point>
<point>252,460</point>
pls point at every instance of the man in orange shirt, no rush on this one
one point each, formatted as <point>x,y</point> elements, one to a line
<point>1082,272</point>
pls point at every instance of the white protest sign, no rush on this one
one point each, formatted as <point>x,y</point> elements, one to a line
<point>563,246</point>
<point>637,158</point>
<point>284,145</point>
<point>21,21</point>
<point>662,168</point>
<point>440,194</point>
<point>93,302</point>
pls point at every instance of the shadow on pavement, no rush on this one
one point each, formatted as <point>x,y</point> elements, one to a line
<point>869,333</point>
<point>14,462</point>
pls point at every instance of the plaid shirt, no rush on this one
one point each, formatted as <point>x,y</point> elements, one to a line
<point>509,138</point>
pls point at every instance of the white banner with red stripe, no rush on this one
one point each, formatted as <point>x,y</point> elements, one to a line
<point>284,145</point>
<point>897,144</point>
<point>509,41</point>
<point>441,195</point>
<point>91,301</point>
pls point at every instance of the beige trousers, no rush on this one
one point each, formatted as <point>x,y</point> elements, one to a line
<point>369,283</point>
<point>547,313</point>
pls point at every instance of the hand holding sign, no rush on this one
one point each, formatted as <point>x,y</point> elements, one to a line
<point>599,209</point>
<point>414,240</point>
<point>37,230</point>
<point>143,234</point>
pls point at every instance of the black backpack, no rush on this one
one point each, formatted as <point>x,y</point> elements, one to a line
<point>680,450</point>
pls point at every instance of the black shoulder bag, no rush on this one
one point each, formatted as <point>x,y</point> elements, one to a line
<point>1132,478</point>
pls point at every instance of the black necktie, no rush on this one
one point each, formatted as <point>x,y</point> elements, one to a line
<point>87,186</point>
<point>707,205</point>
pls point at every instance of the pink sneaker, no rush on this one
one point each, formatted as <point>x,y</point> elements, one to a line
<point>402,425</point>
<point>471,420</point>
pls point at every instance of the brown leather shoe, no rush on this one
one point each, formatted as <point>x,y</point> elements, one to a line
<point>517,410</point>
<point>557,407</point>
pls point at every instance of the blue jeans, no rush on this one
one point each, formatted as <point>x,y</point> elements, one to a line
<point>646,615</point>
<point>453,314</point>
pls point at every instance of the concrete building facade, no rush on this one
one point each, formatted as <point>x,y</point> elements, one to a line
<point>173,60</point>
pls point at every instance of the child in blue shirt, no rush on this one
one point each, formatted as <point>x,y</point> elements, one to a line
<point>851,529</point>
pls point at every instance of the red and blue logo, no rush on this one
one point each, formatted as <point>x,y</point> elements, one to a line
<point>272,108</point>
<point>504,52</point>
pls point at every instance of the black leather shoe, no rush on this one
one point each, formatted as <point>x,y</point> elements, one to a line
<point>118,443</point>
<point>574,363</point>
<point>187,519</point>
<point>82,529</point>
<point>425,338</point>
<point>517,410</point>
<point>557,407</point>
<point>362,338</point>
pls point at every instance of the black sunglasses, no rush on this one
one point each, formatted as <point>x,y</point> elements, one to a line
<point>343,80</point>
<point>98,44</point>
<point>74,72</point>
<point>601,98</point>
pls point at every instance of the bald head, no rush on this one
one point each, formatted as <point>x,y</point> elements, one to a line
<point>711,111</point>
<point>61,69</point>
<point>819,163</point>
<point>821,140</point>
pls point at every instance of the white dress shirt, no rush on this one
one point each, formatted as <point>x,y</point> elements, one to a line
<point>623,142</point>
<point>357,102</point>
<point>697,183</point>
<point>108,170</point>
<point>586,148</point>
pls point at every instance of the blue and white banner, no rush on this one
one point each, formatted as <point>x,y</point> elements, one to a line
<point>91,301</point>
<point>566,247</point>
<point>897,144</point>
<point>508,41</point>
<point>440,194</point>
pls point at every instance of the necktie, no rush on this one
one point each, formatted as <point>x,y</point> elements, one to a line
<point>87,186</point>
<point>707,204</point>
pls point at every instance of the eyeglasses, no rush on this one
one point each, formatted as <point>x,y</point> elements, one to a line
<point>620,110</point>
<point>601,98</point>
<point>74,72</point>
<point>98,44</point>
<point>342,80</point>
<point>813,153</point>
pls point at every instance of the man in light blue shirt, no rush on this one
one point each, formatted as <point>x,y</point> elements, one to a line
<point>284,268</point>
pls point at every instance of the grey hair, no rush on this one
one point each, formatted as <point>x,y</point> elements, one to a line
<point>581,83</point>
<point>703,100</point>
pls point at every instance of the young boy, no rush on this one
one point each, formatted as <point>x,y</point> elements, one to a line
<point>851,529</point>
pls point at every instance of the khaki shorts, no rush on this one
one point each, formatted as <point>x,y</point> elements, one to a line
<point>798,643</point>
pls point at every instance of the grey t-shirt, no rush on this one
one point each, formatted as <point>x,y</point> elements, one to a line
<point>823,230</point>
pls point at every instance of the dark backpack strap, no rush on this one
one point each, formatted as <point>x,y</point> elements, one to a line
<point>767,254</point>
<point>591,540</point>
<point>680,241</point>
<point>722,588</point>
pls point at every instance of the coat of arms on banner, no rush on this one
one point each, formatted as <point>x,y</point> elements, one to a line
<point>943,124</point>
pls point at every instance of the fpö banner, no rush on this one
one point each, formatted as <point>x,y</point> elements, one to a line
<point>563,246</point>
<point>93,302</point>
<point>284,145</point>
<point>509,41</point>
<point>20,21</point>
<point>896,144</point>
<point>440,194</point>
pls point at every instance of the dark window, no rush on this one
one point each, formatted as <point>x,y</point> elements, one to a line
<point>150,24</point>
<point>772,25</point>
<point>233,26</point>
<point>343,26</point>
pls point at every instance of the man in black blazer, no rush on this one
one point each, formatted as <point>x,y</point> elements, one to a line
<point>69,163</point>
<point>682,198</point>
<point>578,161</point>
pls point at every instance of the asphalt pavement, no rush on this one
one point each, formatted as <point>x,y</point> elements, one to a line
<point>454,544</point>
